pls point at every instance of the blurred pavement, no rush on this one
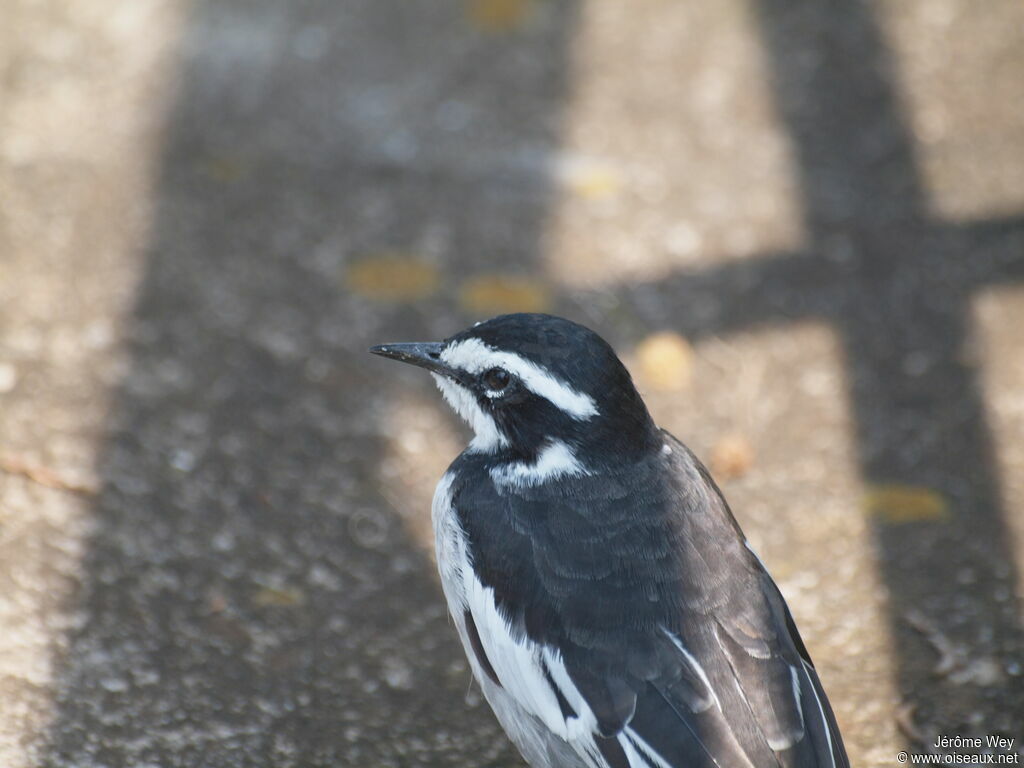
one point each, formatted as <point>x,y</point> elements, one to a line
<point>802,224</point>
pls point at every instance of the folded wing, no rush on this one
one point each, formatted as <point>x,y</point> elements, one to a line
<point>653,636</point>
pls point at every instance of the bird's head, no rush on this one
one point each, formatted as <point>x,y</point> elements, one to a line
<point>526,381</point>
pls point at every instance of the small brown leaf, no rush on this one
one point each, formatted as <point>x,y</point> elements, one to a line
<point>279,597</point>
<point>216,602</point>
<point>895,504</point>
<point>495,294</point>
<point>591,180</point>
<point>498,15</point>
<point>229,629</point>
<point>732,456</point>
<point>225,169</point>
<point>666,362</point>
<point>13,464</point>
<point>393,277</point>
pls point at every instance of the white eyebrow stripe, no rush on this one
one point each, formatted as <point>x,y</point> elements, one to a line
<point>473,356</point>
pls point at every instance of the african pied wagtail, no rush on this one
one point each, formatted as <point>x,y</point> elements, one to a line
<point>609,604</point>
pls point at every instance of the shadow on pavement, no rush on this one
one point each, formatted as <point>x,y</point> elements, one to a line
<point>250,598</point>
<point>896,284</point>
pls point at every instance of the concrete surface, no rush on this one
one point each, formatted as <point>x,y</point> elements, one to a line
<point>214,548</point>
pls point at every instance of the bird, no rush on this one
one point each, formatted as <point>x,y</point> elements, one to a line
<point>610,607</point>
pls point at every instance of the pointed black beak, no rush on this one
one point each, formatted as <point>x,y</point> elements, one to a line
<point>425,354</point>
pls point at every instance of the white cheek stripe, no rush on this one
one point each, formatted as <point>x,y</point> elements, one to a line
<point>556,460</point>
<point>473,356</point>
<point>488,437</point>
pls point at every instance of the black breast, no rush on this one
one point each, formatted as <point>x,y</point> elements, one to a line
<point>594,563</point>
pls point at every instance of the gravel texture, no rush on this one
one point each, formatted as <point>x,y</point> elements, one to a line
<point>802,224</point>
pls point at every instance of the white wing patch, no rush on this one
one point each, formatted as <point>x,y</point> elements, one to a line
<point>556,460</point>
<point>473,356</point>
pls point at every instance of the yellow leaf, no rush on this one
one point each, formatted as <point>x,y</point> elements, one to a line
<point>279,598</point>
<point>393,277</point>
<point>593,181</point>
<point>498,15</point>
<point>666,362</point>
<point>495,294</point>
<point>895,504</point>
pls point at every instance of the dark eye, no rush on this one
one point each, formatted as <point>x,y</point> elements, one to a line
<point>496,379</point>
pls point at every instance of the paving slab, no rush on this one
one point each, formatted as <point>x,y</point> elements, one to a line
<point>800,223</point>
